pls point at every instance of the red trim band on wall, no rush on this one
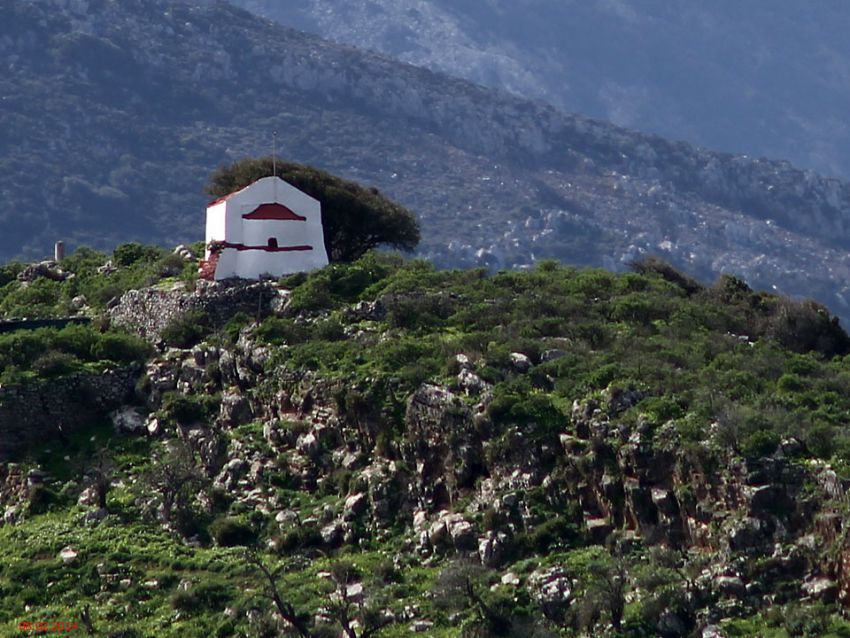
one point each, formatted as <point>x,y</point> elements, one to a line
<point>263,247</point>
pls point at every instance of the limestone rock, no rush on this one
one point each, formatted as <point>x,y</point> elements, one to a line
<point>153,426</point>
<point>68,555</point>
<point>355,505</point>
<point>492,548</point>
<point>87,497</point>
<point>510,579</point>
<point>822,588</point>
<point>307,444</point>
<point>551,355</point>
<point>471,382</point>
<point>551,589</point>
<point>332,534</point>
<point>463,535</point>
<point>10,515</point>
<point>128,420</point>
<point>421,626</point>
<point>520,362</point>
<point>235,410</point>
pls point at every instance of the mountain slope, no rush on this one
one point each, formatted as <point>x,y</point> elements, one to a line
<point>765,77</point>
<point>465,454</point>
<point>115,113</point>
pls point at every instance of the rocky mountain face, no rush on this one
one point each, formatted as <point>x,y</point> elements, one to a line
<point>560,452</point>
<point>749,532</point>
<point>114,114</point>
<point>761,77</point>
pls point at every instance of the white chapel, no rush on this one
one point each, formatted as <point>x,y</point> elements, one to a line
<point>267,228</point>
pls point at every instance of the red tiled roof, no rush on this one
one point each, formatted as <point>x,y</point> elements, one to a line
<point>274,211</point>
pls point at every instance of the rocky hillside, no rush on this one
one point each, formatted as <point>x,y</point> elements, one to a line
<point>383,449</point>
<point>757,77</point>
<point>115,113</point>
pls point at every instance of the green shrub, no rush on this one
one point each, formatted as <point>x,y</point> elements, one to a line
<point>234,325</point>
<point>186,410</point>
<point>209,596</point>
<point>186,330</point>
<point>230,532</point>
<point>300,538</point>
<point>820,440</point>
<point>329,330</point>
<point>760,443</point>
<point>661,409</point>
<point>41,498</point>
<point>809,620</point>
<point>55,364</point>
<point>790,383</point>
<point>121,348</point>
<point>131,253</point>
<point>536,411</point>
<point>277,331</point>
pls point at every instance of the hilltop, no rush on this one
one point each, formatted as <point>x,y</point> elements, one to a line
<point>555,452</point>
<point>116,113</point>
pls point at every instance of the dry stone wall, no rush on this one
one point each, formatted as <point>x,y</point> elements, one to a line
<point>51,410</point>
<point>148,311</point>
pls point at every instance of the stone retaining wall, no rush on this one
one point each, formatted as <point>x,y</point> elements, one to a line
<point>50,410</point>
<point>146,312</point>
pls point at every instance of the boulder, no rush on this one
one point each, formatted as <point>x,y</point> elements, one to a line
<point>355,592</point>
<point>471,382</point>
<point>421,626</point>
<point>731,586</point>
<point>551,589</point>
<point>68,555</point>
<point>87,497</point>
<point>463,535</point>
<point>821,588</point>
<point>127,420</point>
<point>492,548</point>
<point>332,534</point>
<point>308,444</point>
<point>10,515</point>
<point>520,362</point>
<point>235,410</point>
<point>153,426</point>
<point>551,355</point>
<point>355,505</point>
<point>510,579</point>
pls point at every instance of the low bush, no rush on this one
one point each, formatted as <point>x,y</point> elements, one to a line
<point>186,410</point>
<point>186,330</point>
<point>230,532</point>
<point>760,443</point>
<point>55,364</point>
<point>209,596</point>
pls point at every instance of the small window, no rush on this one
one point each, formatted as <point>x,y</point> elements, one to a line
<point>272,242</point>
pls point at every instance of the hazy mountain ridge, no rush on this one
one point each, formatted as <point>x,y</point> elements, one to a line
<point>762,77</point>
<point>159,93</point>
